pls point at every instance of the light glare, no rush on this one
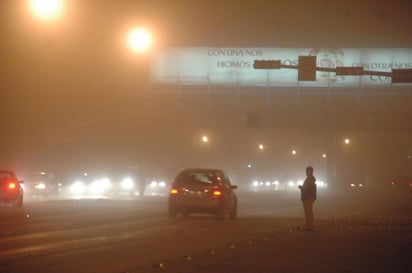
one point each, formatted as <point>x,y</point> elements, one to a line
<point>77,187</point>
<point>127,183</point>
<point>46,9</point>
<point>40,186</point>
<point>139,40</point>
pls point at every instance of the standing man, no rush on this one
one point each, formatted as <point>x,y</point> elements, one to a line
<point>308,197</point>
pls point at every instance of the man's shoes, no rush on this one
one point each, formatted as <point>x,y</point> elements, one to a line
<point>303,228</point>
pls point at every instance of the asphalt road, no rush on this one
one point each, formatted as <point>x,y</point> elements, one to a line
<point>357,232</point>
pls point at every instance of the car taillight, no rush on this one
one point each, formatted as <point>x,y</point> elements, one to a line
<point>12,185</point>
<point>217,193</point>
<point>174,191</point>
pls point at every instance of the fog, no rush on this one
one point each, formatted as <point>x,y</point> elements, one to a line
<point>73,96</point>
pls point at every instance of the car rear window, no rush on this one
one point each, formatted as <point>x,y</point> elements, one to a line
<point>5,176</point>
<point>189,178</point>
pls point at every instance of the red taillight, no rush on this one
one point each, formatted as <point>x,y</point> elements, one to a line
<point>12,186</point>
<point>174,191</point>
<point>217,193</point>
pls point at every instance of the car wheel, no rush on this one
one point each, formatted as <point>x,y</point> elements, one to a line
<point>172,213</point>
<point>221,214</point>
<point>141,189</point>
<point>18,203</point>
<point>233,213</point>
<point>185,214</point>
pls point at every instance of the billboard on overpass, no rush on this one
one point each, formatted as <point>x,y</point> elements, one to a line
<point>234,66</point>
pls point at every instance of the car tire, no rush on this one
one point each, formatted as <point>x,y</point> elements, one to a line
<point>221,214</point>
<point>185,214</point>
<point>172,213</point>
<point>233,213</point>
<point>141,189</point>
<point>18,203</point>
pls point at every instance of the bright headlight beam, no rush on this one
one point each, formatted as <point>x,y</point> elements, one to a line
<point>127,183</point>
<point>40,186</point>
<point>101,185</point>
<point>77,187</point>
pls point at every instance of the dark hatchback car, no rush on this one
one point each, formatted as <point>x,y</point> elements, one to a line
<point>202,191</point>
<point>11,190</point>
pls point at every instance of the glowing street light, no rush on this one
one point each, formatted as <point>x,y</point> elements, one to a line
<point>324,155</point>
<point>294,152</point>
<point>46,9</point>
<point>261,147</point>
<point>347,140</point>
<point>205,139</point>
<point>139,40</point>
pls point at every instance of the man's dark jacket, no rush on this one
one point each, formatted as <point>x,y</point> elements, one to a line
<point>308,189</point>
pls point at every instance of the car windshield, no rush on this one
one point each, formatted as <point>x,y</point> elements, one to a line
<point>5,175</point>
<point>196,177</point>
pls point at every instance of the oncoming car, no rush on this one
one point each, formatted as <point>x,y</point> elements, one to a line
<point>89,186</point>
<point>107,183</point>
<point>42,185</point>
<point>157,188</point>
<point>202,191</point>
<point>126,183</point>
<point>11,189</point>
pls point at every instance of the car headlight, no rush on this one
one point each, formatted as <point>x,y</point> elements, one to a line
<point>127,183</point>
<point>100,185</point>
<point>77,187</point>
<point>40,186</point>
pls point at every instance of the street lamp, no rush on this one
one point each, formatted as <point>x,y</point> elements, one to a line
<point>139,40</point>
<point>261,147</point>
<point>347,140</point>
<point>46,9</point>
<point>205,139</point>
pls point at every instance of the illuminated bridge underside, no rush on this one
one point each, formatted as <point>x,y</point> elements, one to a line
<point>375,108</point>
<point>202,107</point>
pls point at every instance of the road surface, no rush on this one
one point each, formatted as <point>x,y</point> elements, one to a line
<point>356,232</point>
